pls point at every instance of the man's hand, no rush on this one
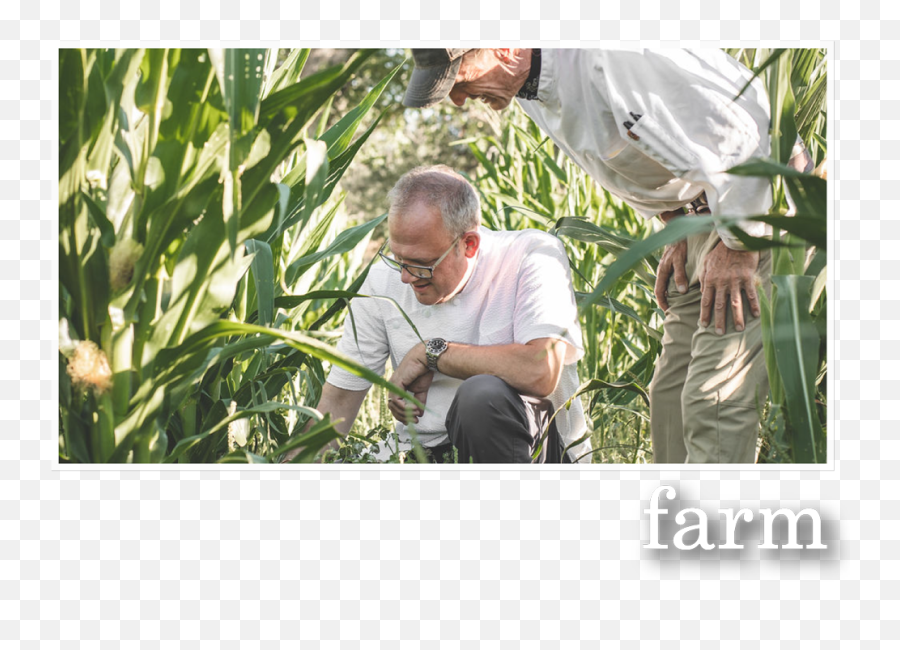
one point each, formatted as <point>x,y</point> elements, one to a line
<point>726,273</point>
<point>419,388</point>
<point>413,376</point>
<point>672,262</point>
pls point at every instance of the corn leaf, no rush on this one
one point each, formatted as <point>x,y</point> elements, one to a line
<point>312,441</point>
<point>772,58</point>
<point>286,113</point>
<point>186,444</point>
<point>263,271</point>
<point>812,228</point>
<point>289,72</point>
<point>339,304</point>
<point>343,243</point>
<point>168,358</point>
<point>796,343</point>
<point>776,386</point>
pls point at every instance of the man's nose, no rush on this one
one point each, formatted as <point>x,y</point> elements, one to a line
<point>406,277</point>
<point>457,96</point>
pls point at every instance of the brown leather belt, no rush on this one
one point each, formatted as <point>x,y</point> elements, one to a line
<point>700,205</point>
<point>801,160</point>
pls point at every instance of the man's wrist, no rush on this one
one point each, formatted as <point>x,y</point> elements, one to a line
<point>729,241</point>
<point>434,349</point>
<point>667,216</point>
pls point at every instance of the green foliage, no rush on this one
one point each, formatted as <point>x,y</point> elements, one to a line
<point>192,201</point>
<point>206,258</point>
<point>793,324</point>
<point>405,137</point>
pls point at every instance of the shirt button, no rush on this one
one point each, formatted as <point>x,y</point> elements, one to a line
<point>633,136</point>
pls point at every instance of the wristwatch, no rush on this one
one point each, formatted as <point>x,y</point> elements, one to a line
<point>434,348</point>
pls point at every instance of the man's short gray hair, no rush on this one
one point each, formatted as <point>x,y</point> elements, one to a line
<point>438,186</point>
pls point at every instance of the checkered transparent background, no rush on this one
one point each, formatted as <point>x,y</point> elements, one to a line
<point>348,556</point>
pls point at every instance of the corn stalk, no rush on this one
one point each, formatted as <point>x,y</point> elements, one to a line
<point>186,178</point>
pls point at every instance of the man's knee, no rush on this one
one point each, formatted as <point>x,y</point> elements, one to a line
<point>482,400</point>
<point>717,431</point>
<point>476,394</point>
<point>488,421</point>
<point>700,427</point>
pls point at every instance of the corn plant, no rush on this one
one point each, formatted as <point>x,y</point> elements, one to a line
<point>194,201</point>
<point>795,319</point>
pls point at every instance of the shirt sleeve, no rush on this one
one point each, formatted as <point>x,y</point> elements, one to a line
<point>545,301</point>
<point>364,340</point>
<point>683,114</point>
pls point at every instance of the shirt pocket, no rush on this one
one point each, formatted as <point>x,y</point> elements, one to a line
<point>663,148</point>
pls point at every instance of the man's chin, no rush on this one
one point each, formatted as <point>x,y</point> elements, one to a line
<point>499,103</point>
<point>426,295</point>
<point>427,298</point>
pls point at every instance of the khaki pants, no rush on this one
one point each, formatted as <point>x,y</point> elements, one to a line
<point>707,388</point>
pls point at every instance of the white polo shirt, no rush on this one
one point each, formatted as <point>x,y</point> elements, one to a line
<point>519,291</point>
<point>686,130</point>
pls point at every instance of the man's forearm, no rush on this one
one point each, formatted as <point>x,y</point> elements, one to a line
<point>532,369</point>
<point>342,405</point>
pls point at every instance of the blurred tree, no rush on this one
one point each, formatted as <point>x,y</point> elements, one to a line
<point>406,137</point>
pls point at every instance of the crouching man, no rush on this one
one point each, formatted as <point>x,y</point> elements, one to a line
<point>498,316</point>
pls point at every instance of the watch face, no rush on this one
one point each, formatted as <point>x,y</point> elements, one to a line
<point>436,346</point>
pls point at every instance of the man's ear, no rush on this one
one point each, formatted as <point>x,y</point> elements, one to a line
<point>472,242</point>
<point>505,55</point>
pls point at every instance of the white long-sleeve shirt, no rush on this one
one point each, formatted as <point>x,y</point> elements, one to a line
<point>685,129</point>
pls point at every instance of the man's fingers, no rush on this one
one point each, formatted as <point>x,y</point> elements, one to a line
<point>753,297</point>
<point>737,306</point>
<point>708,294</point>
<point>681,280</point>
<point>660,289</point>
<point>721,305</point>
<point>725,275</point>
<point>399,409</point>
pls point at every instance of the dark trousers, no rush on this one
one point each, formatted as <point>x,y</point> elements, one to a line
<point>489,422</point>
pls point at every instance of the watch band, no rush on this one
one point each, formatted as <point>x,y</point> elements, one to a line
<point>434,348</point>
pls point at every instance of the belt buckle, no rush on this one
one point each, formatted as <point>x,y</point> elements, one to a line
<point>700,205</point>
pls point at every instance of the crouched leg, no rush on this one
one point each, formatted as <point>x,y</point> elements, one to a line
<point>488,422</point>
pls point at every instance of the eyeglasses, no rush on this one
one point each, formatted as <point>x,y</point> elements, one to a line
<point>421,272</point>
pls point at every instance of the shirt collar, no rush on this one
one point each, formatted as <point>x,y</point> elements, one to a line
<point>529,89</point>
